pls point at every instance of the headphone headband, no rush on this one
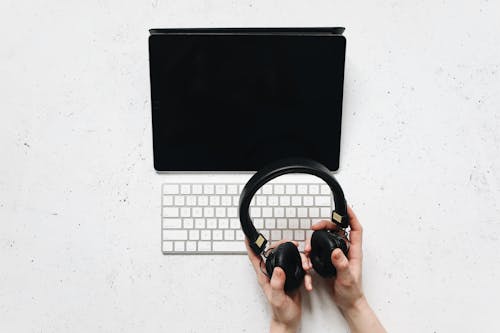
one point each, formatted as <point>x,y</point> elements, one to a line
<point>294,165</point>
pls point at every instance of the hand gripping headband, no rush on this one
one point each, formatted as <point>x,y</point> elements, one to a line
<point>295,165</point>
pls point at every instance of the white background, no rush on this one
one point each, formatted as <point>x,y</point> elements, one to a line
<point>80,201</point>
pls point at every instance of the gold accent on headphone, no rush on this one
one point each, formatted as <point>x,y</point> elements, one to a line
<point>259,241</point>
<point>336,217</point>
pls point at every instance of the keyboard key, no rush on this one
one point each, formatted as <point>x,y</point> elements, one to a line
<point>194,234</point>
<point>322,201</point>
<point>185,189</point>
<point>305,223</point>
<point>217,234</point>
<point>220,189</point>
<point>235,223</point>
<point>308,201</point>
<point>170,211</point>
<point>208,189</point>
<point>299,235</point>
<point>270,223</point>
<point>267,212</point>
<point>265,233</point>
<point>326,212</point>
<point>255,212</point>
<point>223,224</point>
<point>314,212</point>
<point>279,212</point>
<point>279,189</point>
<point>287,234</point>
<point>285,201</point>
<point>171,189</point>
<point>214,200</point>
<point>276,235</point>
<point>232,189</point>
<point>290,189</point>
<point>236,201</point>
<point>281,223</point>
<point>199,223</point>
<point>179,246</point>
<point>168,246</point>
<point>204,246</point>
<point>202,200</point>
<point>206,235</point>
<point>291,212</point>
<point>293,223</point>
<point>240,235</point>
<point>188,223</point>
<point>296,201</point>
<point>228,246</point>
<point>259,223</point>
<point>190,246</point>
<point>168,200</point>
<point>197,212</point>
<point>174,234</point>
<point>302,189</point>
<point>232,212</point>
<point>197,189</point>
<point>225,200</point>
<point>191,200</point>
<point>302,212</point>
<point>314,189</point>
<point>220,212</point>
<point>208,212</point>
<point>273,201</point>
<point>228,234</point>
<point>267,189</point>
<point>211,223</point>
<point>261,201</point>
<point>185,211</point>
<point>324,189</point>
<point>172,223</point>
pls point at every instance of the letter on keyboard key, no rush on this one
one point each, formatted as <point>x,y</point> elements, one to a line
<point>273,201</point>
<point>291,212</point>
<point>168,200</point>
<point>288,234</point>
<point>226,246</point>
<point>302,212</point>
<point>185,211</point>
<point>232,189</point>
<point>285,201</point>
<point>259,223</point>
<point>208,189</point>
<point>270,223</point>
<point>314,189</point>
<point>170,212</point>
<point>281,223</point>
<point>211,223</point>
<point>168,246</point>
<point>197,189</point>
<point>308,201</point>
<point>191,200</point>
<point>235,223</point>
<point>174,234</point>
<point>226,200</point>
<point>223,224</point>
<point>197,212</point>
<point>205,234</point>
<point>204,246</point>
<point>194,234</point>
<point>290,189</point>
<point>171,223</point>
<point>199,223</point>
<point>188,223</point>
<point>240,235</point>
<point>217,234</point>
<point>185,189</point>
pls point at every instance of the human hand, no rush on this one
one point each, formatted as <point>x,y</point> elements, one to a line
<point>286,308</point>
<point>346,286</point>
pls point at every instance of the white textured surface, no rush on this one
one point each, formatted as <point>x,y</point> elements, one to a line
<point>79,200</point>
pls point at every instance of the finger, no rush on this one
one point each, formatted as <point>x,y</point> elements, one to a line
<point>308,282</point>
<point>254,259</point>
<point>305,262</point>
<point>307,248</point>
<point>277,285</point>
<point>341,263</point>
<point>324,224</point>
<point>355,236</point>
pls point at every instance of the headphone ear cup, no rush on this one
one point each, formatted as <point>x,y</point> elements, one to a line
<point>323,243</point>
<point>287,257</point>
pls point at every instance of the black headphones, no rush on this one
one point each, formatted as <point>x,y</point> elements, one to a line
<point>323,242</point>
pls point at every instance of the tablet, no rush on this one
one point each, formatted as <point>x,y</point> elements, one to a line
<point>236,99</point>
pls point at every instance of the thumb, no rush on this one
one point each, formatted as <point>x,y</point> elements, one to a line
<point>278,283</point>
<point>340,262</point>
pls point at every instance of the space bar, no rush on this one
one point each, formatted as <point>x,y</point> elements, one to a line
<point>228,246</point>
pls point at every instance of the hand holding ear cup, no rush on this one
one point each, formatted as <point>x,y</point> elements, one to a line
<point>287,257</point>
<point>323,243</point>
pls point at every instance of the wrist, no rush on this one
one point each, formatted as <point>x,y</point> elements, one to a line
<point>279,327</point>
<point>356,308</point>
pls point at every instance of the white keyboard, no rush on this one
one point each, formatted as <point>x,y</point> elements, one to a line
<point>203,218</point>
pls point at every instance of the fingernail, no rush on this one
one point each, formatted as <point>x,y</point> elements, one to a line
<point>336,254</point>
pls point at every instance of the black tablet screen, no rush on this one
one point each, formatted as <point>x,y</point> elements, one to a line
<point>237,102</point>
